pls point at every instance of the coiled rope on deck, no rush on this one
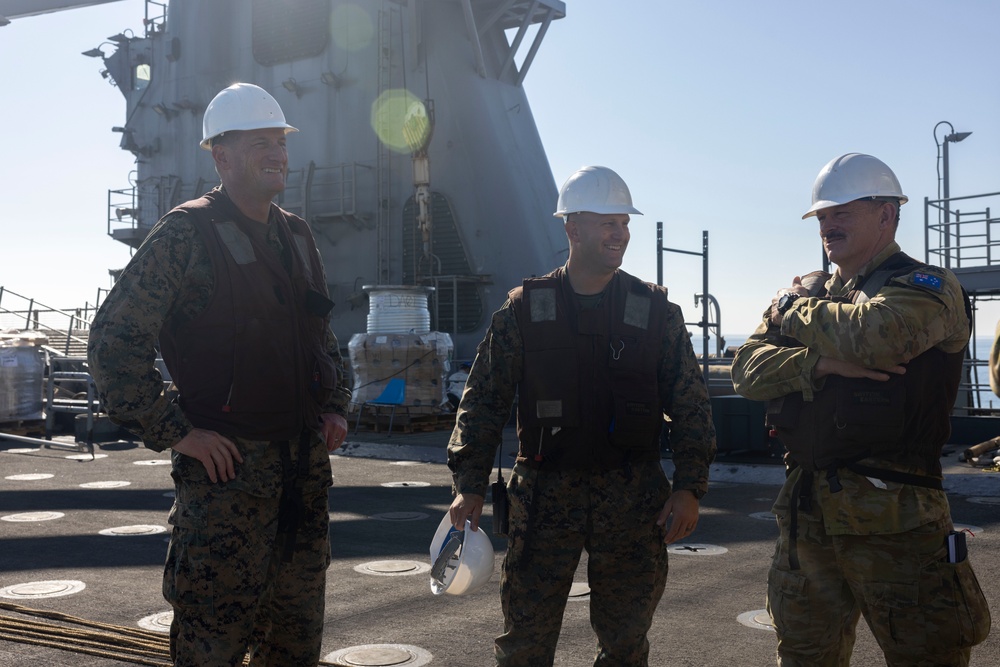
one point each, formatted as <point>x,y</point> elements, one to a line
<point>105,640</point>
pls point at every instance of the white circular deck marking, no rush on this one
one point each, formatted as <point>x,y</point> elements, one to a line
<point>580,590</point>
<point>33,516</point>
<point>985,500</point>
<point>697,549</point>
<point>30,477</point>
<point>131,531</point>
<point>758,619</point>
<point>975,530</point>
<point>399,516</point>
<point>393,568</point>
<point>399,485</point>
<point>157,622</point>
<point>86,457</point>
<point>763,516</point>
<point>20,450</point>
<point>152,462</point>
<point>405,463</point>
<point>52,588</point>
<point>104,485</point>
<point>381,655</point>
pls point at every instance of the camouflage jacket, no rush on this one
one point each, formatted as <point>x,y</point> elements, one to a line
<point>489,396</point>
<point>169,278</point>
<point>903,320</point>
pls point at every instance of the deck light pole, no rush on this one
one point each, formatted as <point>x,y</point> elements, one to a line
<point>943,177</point>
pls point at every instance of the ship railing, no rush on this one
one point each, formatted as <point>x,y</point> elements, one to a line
<point>964,239</point>
<point>324,194</point>
<point>66,329</point>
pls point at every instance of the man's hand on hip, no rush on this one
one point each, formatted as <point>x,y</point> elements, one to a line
<point>217,453</point>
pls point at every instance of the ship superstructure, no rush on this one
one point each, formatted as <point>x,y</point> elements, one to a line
<point>417,162</point>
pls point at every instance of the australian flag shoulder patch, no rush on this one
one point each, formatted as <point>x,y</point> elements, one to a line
<point>928,280</point>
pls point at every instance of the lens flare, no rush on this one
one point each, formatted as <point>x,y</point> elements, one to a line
<point>400,120</point>
<point>351,27</point>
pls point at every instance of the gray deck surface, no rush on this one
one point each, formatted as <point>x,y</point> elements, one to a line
<point>696,623</point>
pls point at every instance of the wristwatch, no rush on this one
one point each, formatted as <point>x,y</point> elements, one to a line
<point>786,300</point>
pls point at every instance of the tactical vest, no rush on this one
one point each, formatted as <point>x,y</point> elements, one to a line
<point>906,419</point>
<point>589,394</point>
<point>254,362</point>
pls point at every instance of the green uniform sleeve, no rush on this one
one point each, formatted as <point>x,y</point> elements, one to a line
<point>902,321</point>
<point>486,404</point>
<point>764,368</point>
<point>123,336</point>
<point>686,402</point>
<point>907,317</point>
<point>339,401</point>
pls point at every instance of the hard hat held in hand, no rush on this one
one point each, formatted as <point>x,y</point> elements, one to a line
<point>241,106</point>
<point>595,189</point>
<point>853,176</point>
<point>461,561</point>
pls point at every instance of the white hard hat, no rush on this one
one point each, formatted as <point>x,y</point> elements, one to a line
<point>241,106</point>
<point>853,176</point>
<point>595,189</point>
<point>461,561</point>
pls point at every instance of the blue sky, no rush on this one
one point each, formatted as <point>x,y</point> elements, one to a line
<point>718,114</point>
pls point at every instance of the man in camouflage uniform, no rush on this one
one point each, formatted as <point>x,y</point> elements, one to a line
<point>597,358</point>
<point>861,382</point>
<point>232,290</point>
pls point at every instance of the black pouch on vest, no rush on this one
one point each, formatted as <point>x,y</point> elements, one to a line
<point>317,304</point>
<point>870,413</point>
<point>498,490</point>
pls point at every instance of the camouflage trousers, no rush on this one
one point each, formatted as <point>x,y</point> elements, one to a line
<point>554,515</point>
<point>231,586</point>
<point>922,610</point>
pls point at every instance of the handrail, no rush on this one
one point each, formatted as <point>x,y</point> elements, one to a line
<point>28,314</point>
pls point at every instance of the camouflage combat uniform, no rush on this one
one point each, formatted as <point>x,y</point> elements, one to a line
<point>865,545</point>
<point>234,577</point>
<point>556,513</point>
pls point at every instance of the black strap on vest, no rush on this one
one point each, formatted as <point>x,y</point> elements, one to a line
<point>291,508</point>
<point>801,500</point>
<point>887,475</point>
<point>801,496</point>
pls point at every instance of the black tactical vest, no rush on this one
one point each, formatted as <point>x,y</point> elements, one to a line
<point>589,394</point>
<point>905,420</point>
<point>254,362</point>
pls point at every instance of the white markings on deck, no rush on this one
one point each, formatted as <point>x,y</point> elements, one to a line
<point>32,516</point>
<point>105,485</point>
<point>400,485</point>
<point>381,655</point>
<point>393,568</point>
<point>157,622</point>
<point>697,549</point>
<point>132,531</point>
<point>29,477</point>
<point>52,588</point>
<point>758,619</point>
